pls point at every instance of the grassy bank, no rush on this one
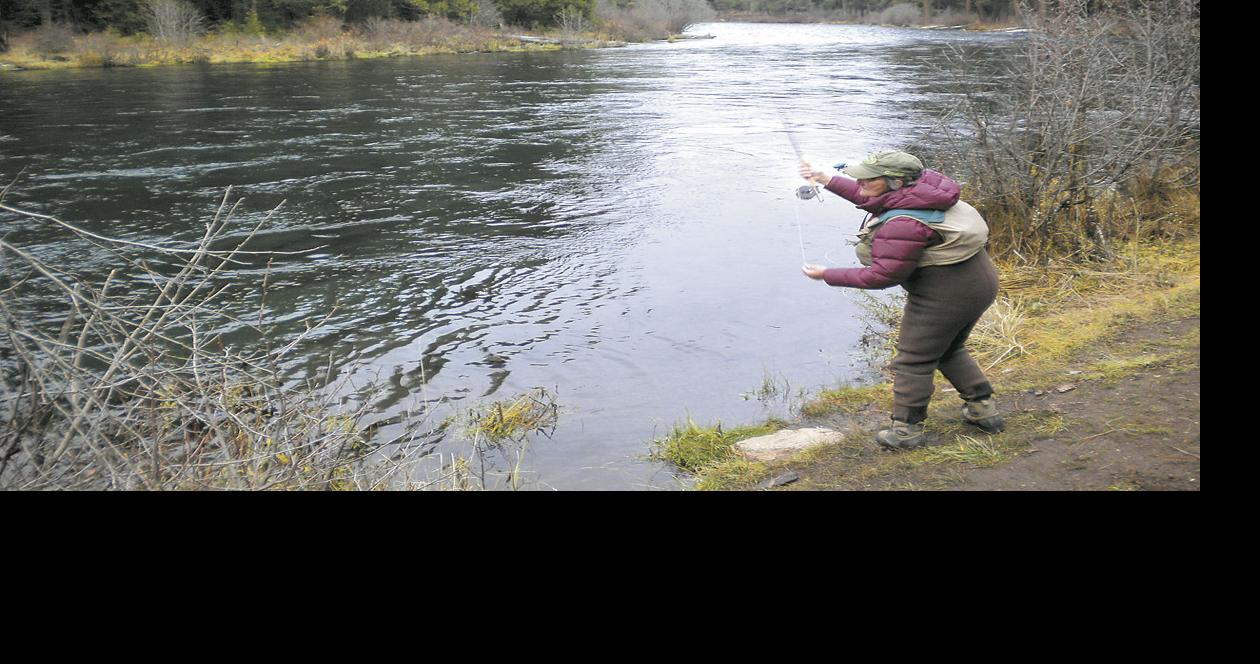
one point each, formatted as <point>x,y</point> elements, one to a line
<point>315,40</point>
<point>323,38</point>
<point>708,452</point>
<point>1056,328</point>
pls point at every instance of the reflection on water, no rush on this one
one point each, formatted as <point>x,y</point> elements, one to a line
<point>616,225</point>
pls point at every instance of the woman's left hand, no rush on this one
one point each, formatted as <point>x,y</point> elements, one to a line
<point>813,271</point>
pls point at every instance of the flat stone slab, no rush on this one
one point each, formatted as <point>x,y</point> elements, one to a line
<point>786,443</point>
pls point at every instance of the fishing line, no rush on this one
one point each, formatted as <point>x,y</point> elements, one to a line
<point>804,192</point>
<point>800,235</point>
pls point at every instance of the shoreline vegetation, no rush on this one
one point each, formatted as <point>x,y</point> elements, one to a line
<point>131,385</point>
<point>1094,220</point>
<point>316,41</point>
<point>1095,227</point>
<point>1057,328</point>
<point>321,38</point>
<point>141,33</point>
<point>970,23</point>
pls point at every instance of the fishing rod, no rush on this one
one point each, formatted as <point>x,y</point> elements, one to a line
<point>804,192</point>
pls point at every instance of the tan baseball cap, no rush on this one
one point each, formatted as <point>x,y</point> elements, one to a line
<point>893,163</point>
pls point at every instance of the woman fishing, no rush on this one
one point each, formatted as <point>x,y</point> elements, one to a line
<point>920,236</point>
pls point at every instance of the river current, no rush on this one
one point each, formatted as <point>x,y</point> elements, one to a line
<point>617,226</point>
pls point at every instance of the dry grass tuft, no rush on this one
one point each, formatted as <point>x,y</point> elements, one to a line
<point>534,412</point>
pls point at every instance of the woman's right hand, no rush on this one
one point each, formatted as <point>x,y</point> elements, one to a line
<point>812,175</point>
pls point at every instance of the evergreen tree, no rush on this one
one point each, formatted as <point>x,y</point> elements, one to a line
<point>541,12</point>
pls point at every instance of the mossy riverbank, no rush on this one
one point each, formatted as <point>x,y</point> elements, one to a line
<point>1096,369</point>
<point>59,48</point>
<point>33,52</point>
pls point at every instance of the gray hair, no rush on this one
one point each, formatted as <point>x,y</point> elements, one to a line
<point>907,181</point>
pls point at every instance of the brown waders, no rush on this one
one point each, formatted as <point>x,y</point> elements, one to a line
<point>943,304</point>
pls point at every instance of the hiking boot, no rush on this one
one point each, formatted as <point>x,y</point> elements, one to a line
<point>902,436</point>
<point>984,414</point>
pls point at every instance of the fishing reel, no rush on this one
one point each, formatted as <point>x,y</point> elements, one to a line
<point>808,191</point>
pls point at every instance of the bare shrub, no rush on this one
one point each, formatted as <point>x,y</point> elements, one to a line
<point>430,32</point>
<point>572,21</point>
<point>954,18</point>
<point>651,19</point>
<point>681,14</point>
<point>100,49</point>
<point>320,27</point>
<point>129,385</point>
<point>173,21</point>
<point>487,16</point>
<point>637,22</point>
<point>1095,107</point>
<point>52,38</point>
<point>902,14</point>
<point>395,32</point>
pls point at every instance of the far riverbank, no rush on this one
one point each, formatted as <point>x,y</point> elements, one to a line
<point>61,48</point>
<point>50,49</point>
<point>972,24</point>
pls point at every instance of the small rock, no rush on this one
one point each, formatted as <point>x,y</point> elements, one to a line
<point>785,478</point>
<point>1064,388</point>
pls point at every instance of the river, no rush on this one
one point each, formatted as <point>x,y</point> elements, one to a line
<point>617,226</point>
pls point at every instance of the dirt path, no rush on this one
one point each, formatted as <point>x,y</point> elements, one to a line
<point>1137,432</point>
<point>1122,416</point>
